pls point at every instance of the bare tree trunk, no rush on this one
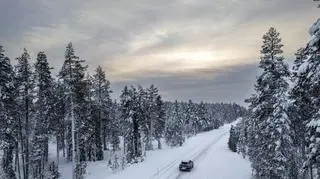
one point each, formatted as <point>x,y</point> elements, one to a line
<point>17,160</point>
<point>57,149</point>
<point>73,130</point>
<point>63,140</point>
<point>104,139</point>
<point>159,144</point>
<point>27,137</point>
<point>22,148</point>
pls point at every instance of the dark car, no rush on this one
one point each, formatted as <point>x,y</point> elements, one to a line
<point>186,165</point>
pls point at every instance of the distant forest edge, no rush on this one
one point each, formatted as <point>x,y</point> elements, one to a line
<point>76,110</point>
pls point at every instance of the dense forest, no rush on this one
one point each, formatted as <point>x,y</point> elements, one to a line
<point>281,133</point>
<point>74,110</point>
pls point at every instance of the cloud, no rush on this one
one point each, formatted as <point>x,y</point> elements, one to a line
<point>228,84</point>
<point>155,39</point>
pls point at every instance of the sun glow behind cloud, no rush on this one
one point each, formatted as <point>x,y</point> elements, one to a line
<point>190,59</point>
<point>149,37</point>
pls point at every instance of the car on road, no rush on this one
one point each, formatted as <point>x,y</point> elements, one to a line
<point>186,165</point>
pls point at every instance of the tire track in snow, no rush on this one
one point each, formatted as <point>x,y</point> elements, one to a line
<point>168,165</point>
<point>172,172</point>
<point>204,151</point>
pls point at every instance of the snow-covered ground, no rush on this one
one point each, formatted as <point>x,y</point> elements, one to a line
<point>212,159</point>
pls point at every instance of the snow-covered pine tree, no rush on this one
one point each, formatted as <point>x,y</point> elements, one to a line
<point>242,126</point>
<point>271,145</point>
<point>233,139</point>
<point>125,122</point>
<point>130,113</point>
<point>102,102</point>
<point>44,110</point>
<point>152,94</point>
<point>58,124</point>
<point>72,78</point>
<point>308,76</point>
<point>24,83</point>
<point>115,126</point>
<point>159,121</point>
<point>174,126</point>
<point>86,127</point>
<point>136,117</point>
<point>300,109</point>
<point>143,115</point>
<point>190,119</point>
<point>8,124</point>
<point>202,121</point>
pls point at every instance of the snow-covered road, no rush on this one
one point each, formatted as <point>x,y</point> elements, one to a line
<point>219,163</point>
<point>212,159</point>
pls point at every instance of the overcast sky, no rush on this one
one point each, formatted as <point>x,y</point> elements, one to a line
<point>190,49</point>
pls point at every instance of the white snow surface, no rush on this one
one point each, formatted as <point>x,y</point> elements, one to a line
<point>209,151</point>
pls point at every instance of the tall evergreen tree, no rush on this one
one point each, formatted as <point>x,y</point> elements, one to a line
<point>190,119</point>
<point>271,148</point>
<point>306,95</point>
<point>159,121</point>
<point>72,77</point>
<point>25,84</point>
<point>115,127</point>
<point>102,102</point>
<point>174,131</point>
<point>152,93</point>
<point>201,118</point>
<point>43,115</point>
<point>130,113</point>
<point>8,117</point>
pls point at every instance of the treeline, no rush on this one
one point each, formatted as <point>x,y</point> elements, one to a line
<point>281,134</point>
<point>188,119</point>
<point>75,111</point>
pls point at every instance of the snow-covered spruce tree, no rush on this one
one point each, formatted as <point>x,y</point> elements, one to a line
<point>43,115</point>
<point>137,119</point>
<point>271,145</point>
<point>174,126</point>
<point>8,124</point>
<point>57,124</point>
<point>102,103</point>
<point>152,94</point>
<point>86,124</point>
<point>131,125</point>
<point>210,116</point>
<point>115,126</point>
<point>201,118</point>
<point>125,121</point>
<point>143,114</point>
<point>159,121</point>
<point>24,83</point>
<point>72,78</point>
<point>306,99</point>
<point>242,127</point>
<point>190,119</point>
<point>147,113</point>
<point>233,139</point>
<point>300,110</point>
